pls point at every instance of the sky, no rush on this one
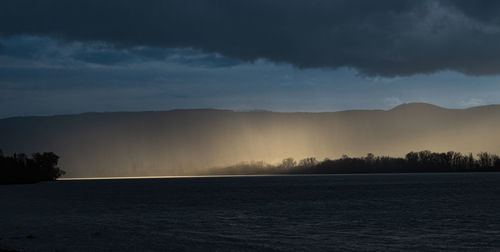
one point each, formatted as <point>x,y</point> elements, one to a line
<point>61,57</point>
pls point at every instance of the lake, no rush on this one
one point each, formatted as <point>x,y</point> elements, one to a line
<point>455,211</point>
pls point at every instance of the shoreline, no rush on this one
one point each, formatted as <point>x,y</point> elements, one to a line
<point>270,175</point>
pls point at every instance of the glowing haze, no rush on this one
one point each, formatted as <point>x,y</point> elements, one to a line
<point>189,142</point>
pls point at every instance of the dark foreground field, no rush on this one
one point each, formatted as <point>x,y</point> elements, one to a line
<point>454,211</point>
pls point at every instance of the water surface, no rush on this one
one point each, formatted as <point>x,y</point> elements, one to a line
<point>344,212</point>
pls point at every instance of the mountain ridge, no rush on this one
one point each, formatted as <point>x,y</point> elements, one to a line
<point>188,142</point>
<point>403,106</point>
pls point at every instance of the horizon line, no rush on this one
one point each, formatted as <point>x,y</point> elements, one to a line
<point>263,175</point>
<point>246,110</point>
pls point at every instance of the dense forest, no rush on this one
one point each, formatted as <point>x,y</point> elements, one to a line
<point>21,169</point>
<point>423,161</point>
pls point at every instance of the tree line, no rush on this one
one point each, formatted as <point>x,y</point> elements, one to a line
<point>422,161</point>
<point>21,169</point>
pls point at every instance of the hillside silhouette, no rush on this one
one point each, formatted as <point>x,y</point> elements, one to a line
<point>190,142</point>
<point>413,162</point>
<point>21,169</point>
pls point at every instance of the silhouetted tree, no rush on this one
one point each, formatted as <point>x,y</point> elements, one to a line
<point>496,162</point>
<point>370,158</point>
<point>288,163</point>
<point>19,168</point>
<point>308,162</point>
<point>485,160</point>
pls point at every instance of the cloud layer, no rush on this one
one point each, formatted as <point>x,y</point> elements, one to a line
<point>377,38</point>
<point>40,76</point>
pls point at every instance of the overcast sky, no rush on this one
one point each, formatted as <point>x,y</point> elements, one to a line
<point>59,56</point>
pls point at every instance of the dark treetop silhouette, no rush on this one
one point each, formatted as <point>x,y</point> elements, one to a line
<point>20,169</point>
<point>423,161</point>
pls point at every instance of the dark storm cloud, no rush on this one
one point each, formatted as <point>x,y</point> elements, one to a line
<point>482,10</point>
<point>51,51</point>
<point>387,38</point>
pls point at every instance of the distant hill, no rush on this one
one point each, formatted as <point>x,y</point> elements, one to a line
<point>182,142</point>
